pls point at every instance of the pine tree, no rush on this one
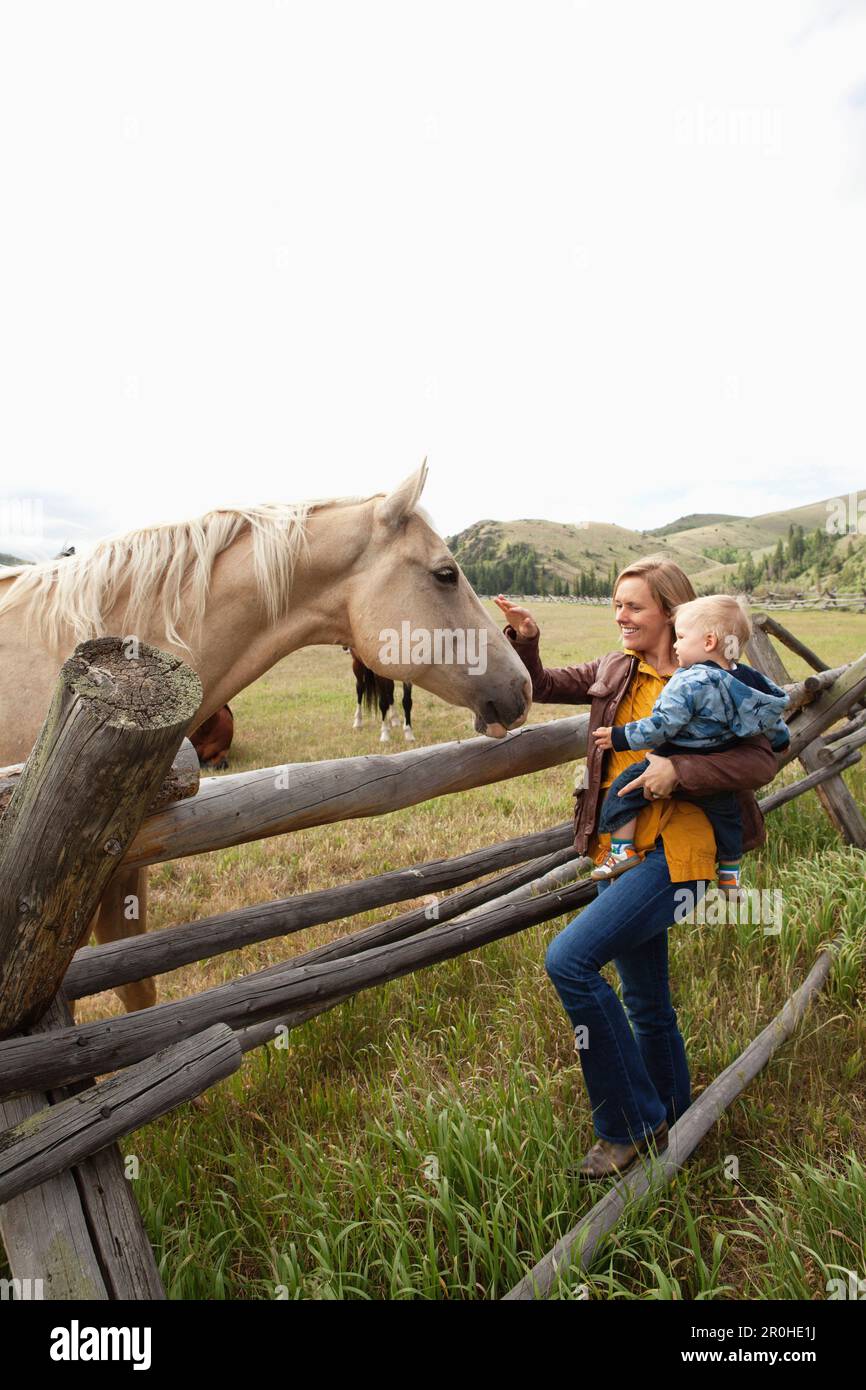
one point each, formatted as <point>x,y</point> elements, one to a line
<point>749,577</point>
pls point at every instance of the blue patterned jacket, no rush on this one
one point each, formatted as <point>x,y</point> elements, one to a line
<point>704,705</point>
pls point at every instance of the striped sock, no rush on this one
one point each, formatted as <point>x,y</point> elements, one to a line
<point>619,846</point>
<point>731,870</point>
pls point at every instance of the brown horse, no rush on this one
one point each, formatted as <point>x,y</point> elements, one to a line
<point>234,591</point>
<point>212,740</point>
<point>372,690</point>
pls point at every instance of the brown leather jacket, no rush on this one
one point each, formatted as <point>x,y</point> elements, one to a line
<point>602,683</point>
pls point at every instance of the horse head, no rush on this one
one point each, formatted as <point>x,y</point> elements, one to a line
<point>415,617</point>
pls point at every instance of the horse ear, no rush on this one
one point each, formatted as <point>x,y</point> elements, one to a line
<point>398,504</point>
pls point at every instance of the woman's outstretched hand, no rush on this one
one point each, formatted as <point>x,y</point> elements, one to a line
<point>520,618</point>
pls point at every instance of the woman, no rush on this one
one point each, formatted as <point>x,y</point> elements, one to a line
<point>636,1072</point>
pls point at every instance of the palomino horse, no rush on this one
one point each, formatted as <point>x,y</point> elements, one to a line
<point>234,591</point>
<point>372,690</point>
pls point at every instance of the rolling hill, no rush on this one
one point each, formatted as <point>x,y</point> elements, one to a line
<point>710,548</point>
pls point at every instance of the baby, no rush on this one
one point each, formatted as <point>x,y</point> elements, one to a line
<point>708,705</point>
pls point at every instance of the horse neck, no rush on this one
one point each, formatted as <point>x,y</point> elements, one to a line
<point>238,642</point>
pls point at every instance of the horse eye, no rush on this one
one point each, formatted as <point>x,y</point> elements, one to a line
<point>447,576</point>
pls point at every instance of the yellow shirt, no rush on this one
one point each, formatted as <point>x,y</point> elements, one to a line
<point>689,842</point>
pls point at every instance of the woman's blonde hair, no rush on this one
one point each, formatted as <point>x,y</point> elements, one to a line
<point>669,585</point>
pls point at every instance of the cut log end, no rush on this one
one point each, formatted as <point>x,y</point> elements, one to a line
<point>132,684</point>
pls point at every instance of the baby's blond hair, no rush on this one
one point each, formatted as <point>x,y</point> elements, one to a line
<point>725,615</point>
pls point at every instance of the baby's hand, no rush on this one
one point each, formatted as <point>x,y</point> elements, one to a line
<point>602,737</point>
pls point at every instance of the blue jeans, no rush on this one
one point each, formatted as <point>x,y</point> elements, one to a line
<point>636,1073</point>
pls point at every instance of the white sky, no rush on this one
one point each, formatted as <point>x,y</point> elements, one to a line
<point>596,260</point>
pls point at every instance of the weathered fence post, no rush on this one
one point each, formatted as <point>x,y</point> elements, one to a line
<point>119,713</point>
<point>771,628</point>
<point>80,1234</point>
<point>117,718</point>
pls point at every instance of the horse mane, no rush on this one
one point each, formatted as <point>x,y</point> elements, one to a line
<point>169,564</point>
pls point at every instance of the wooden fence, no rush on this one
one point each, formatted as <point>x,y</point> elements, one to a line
<point>110,788</point>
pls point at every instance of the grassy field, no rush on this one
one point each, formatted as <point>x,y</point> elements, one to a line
<point>415,1141</point>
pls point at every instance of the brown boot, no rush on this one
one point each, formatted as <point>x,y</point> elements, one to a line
<point>606,1160</point>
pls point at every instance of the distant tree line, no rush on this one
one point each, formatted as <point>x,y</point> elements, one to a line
<point>801,557</point>
<point>519,569</point>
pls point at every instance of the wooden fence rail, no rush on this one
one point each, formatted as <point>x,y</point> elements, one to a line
<point>95,968</point>
<point>60,1135</point>
<point>244,806</point>
<point>37,1062</point>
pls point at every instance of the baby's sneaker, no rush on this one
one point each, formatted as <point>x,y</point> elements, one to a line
<point>616,862</point>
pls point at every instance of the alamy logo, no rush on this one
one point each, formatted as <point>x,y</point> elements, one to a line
<point>754,907</point>
<point>22,519</point>
<point>846,515</point>
<point>436,646</point>
<point>852,1287</point>
<point>77,1343</point>
<point>18,1289</point>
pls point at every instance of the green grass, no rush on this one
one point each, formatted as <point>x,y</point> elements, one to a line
<point>415,1142</point>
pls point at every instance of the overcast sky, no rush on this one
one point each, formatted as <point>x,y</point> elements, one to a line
<point>596,260</point>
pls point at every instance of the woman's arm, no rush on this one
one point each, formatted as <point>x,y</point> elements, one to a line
<point>752,764</point>
<point>745,768</point>
<point>742,770</point>
<point>561,685</point>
